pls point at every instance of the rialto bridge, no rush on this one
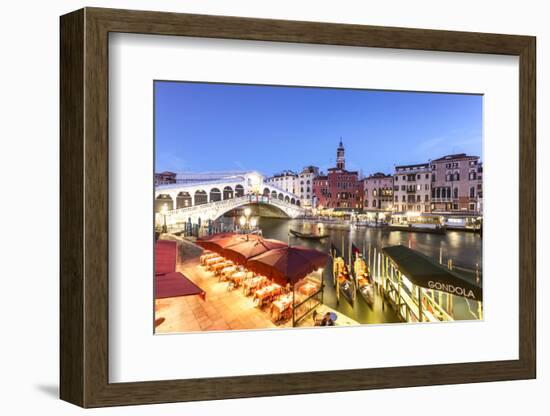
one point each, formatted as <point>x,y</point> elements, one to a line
<point>198,198</point>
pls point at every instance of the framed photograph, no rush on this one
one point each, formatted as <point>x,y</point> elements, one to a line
<point>255,207</point>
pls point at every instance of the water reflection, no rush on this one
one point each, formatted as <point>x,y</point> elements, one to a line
<point>463,248</point>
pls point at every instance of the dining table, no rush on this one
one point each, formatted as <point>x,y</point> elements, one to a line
<point>207,256</point>
<point>237,278</point>
<point>281,307</point>
<point>218,267</point>
<point>262,295</point>
<point>253,283</point>
<point>308,289</point>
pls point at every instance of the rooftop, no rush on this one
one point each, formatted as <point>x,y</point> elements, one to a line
<point>455,156</point>
<point>415,166</point>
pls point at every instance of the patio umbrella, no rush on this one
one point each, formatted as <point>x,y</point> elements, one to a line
<point>218,244</point>
<point>245,250</point>
<point>287,264</point>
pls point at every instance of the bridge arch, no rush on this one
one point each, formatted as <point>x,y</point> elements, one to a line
<point>266,192</point>
<point>274,194</point>
<point>227,192</point>
<point>287,199</point>
<point>292,201</point>
<point>201,197</point>
<point>281,197</point>
<point>239,191</point>
<point>183,199</point>
<point>164,200</point>
<point>215,195</point>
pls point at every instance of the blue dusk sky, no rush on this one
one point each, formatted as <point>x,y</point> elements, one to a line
<point>202,127</point>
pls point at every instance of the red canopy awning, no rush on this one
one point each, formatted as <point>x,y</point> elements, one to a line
<point>176,284</point>
<point>218,244</point>
<point>241,252</point>
<point>287,264</point>
<point>165,256</point>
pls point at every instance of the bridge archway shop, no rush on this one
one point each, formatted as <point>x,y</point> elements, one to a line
<point>183,200</point>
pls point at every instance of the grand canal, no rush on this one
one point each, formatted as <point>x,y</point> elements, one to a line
<point>463,248</point>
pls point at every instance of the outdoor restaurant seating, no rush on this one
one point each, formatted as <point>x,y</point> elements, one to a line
<point>275,274</point>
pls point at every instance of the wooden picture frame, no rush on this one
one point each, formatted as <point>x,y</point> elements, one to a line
<point>84,207</point>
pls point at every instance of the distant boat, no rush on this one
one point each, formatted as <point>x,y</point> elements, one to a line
<point>308,236</point>
<point>418,228</point>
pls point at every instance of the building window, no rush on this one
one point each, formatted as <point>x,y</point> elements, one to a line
<point>455,193</point>
<point>472,207</point>
<point>472,192</point>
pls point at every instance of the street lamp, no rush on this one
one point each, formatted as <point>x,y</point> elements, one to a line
<point>163,211</point>
<point>247,223</point>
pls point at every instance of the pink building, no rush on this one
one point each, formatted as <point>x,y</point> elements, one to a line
<point>378,192</point>
<point>457,184</point>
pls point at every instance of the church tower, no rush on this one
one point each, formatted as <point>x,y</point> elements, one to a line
<point>340,159</point>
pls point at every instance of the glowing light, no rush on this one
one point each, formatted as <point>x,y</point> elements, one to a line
<point>253,222</point>
<point>247,212</point>
<point>164,208</point>
<point>242,221</point>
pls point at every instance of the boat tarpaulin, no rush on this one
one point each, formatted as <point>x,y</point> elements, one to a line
<point>175,284</point>
<point>426,272</point>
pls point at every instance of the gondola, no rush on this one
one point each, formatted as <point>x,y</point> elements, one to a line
<point>366,289</point>
<point>308,236</point>
<point>364,282</point>
<point>347,288</point>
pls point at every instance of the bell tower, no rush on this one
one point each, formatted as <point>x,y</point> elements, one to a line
<point>340,158</point>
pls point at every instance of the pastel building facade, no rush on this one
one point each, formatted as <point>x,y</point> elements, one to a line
<point>412,188</point>
<point>287,180</point>
<point>378,192</point>
<point>457,184</point>
<point>304,185</point>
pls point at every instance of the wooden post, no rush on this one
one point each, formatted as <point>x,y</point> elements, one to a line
<point>293,308</point>
<point>420,312</point>
<point>479,310</point>
<point>399,283</point>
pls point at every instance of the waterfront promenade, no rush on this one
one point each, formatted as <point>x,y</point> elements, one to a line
<point>222,309</point>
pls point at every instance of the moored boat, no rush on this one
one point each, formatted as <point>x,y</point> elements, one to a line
<point>365,289</point>
<point>308,236</point>
<point>346,286</point>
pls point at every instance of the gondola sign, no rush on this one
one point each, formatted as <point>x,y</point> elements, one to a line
<point>452,289</point>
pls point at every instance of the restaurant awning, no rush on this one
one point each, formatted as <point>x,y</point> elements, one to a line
<point>425,272</point>
<point>165,256</point>
<point>218,244</point>
<point>287,264</point>
<point>245,250</point>
<point>175,284</point>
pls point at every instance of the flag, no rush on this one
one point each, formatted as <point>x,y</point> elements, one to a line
<point>334,250</point>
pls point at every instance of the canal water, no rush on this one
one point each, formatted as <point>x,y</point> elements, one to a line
<point>464,249</point>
